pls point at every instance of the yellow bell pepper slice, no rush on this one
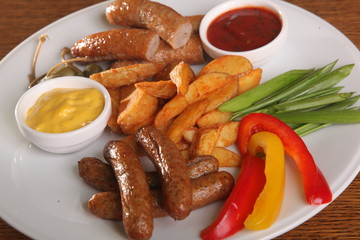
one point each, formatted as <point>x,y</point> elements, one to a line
<point>268,204</point>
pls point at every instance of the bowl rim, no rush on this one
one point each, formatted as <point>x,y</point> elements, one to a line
<point>234,4</point>
<point>60,82</point>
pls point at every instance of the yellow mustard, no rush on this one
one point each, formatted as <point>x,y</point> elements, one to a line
<point>64,109</point>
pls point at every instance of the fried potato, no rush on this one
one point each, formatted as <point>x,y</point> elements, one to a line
<point>210,82</point>
<point>196,91</point>
<point>160,89</point>
<point>227,134</point>
<point>182,75</point>
<point>189,134</point>
<point>164,74</point>
<point>250,80</point>
<point>117,77</point>
<point>226,157</point>
<point>186,119</point>
<point>127,90</point>
<point>204,142</point>
<point>222,94</point>
<point>115,95</point>
<point>170,110</point>
<point>231,64</point>
<point>213,119</point>
<point>139,111</point>
<point>126,62</point>
<point>125,95</point>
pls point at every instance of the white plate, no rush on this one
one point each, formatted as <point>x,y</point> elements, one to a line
<point>42,194</point>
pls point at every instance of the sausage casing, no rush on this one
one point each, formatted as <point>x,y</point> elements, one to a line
<point>118,44</point>
<point>205,190</point>
<point>134,191</point>
<point>171,165</point>
<point>169,24</point>
<point>100,176</point>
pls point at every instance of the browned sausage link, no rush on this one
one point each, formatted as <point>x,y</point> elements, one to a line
<point>134,191</point>
<point>100,176</point>
<point>169,24</point>
<point>206,189</point>
<point>118,44</point>
<point>192,53</point>
<point>97,174</point>
<point>195,21</point>
<point>171,165</point>
<point>201,165</point>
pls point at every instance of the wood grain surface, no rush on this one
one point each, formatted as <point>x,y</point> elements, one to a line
<point>340,220</point>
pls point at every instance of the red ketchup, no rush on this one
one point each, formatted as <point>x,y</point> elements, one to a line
<point>244,29</point>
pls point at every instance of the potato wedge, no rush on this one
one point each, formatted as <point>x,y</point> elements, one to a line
<point>170,110</point>
<point>227,134</point>
<point>226,157</point>
<point>126,62</point>
<point>250,80</point>
<point>222,94</point>
<point>160,89</point>
<point>231,64</point>
<point>115,96</point>
<point>127,90</point>
<point>139,111</point>
<point>204,142</point>
<point>117,77</point>
<point>186,119</point>
<point>196,91</point>
<point>164,74</point>
<point>210,82</point>
<point>213,119</point>
<point>182,75</point>
<point>189,134</point>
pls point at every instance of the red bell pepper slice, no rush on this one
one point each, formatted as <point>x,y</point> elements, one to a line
<point>240,203</point>
<point>316,188</point>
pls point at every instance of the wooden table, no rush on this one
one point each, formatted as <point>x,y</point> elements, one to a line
<point>341,220</point>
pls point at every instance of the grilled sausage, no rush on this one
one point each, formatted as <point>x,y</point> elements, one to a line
<point>195,21</point>
<point>97,174</point>
<point>118,44</point>
<point>171,165</point>
<point>169,24</point>
<point>100,176</point>
<point>134,191</point>
<point>192,53</point>
<point>205,190</point>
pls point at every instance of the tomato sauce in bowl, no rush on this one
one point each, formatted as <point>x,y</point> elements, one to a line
<point>255,29</point>
<point>244,29</point>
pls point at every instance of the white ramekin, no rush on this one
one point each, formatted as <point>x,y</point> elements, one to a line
<point>69,141</point>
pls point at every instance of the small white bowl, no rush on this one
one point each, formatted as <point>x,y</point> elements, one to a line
<point>258,56</point>
<point>69,141</point>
